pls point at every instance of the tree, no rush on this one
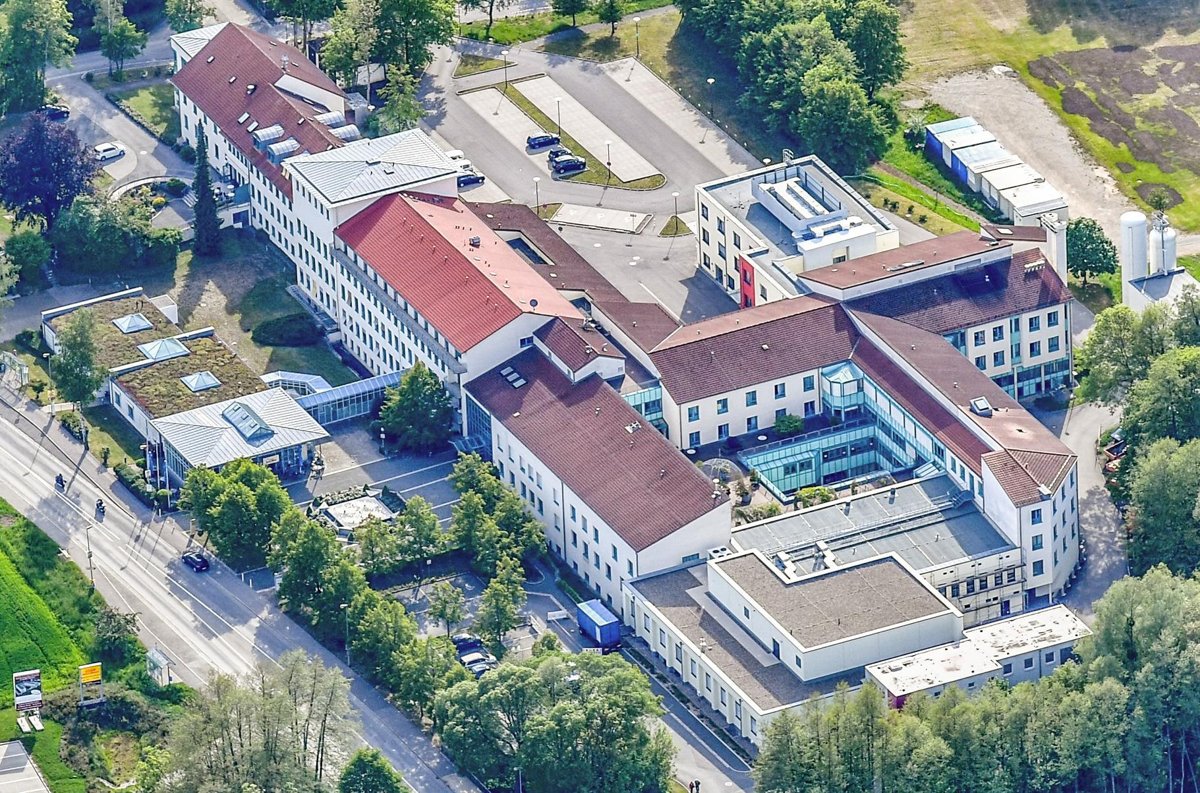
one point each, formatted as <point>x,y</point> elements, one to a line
<point>1159,200</point>
<point>473,474</point>
<point>378,546</point>
<point>38,34</point>
<point>571,8</point>
<point>381,628</point>
<point>524,535</point>
<point>1164,488</point>
<point>347,48</point>
<point>418,414</point>
<point>422,668</point>
<point>304,13</point>
<point>466,521</point>
<point>408,29</point>
<point>487,5</point>
<point>43,167</point>
<point>185,15</point>
<point>121,40</point>
<point>28,252</point>
<point>153,765</point>
<point>447,605</point>
<point>283,727</point>
<point>401,109</point>
<point>422,539</point>
<point>499,611</point>
<point>1119,349</point>
<point>873,35</point>
<point>10,275</point>
<point>116,635</point>
<point>837,121</point>
<point>75,370</point>
<point>1089,251</point>
<point>369,772</point>
<point>207,225</point>
<point>304,565</point>
<point>1167,402</point>
<point>610,11</point>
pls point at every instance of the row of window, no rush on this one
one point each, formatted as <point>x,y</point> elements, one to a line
<point>751,398</point>
<point>1053,345</point>
<point>1034,324</point>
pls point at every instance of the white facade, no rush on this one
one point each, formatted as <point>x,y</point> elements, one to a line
<point>745,410</point>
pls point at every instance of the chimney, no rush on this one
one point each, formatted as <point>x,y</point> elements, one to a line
<point>1056,244</point>
<point>284,61</point>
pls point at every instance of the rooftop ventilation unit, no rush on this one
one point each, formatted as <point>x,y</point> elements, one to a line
<point>475,242</point>
<point>267,135</point>
<point>633,427</point>
<point>347,133</point>
<point>250,89</point>
<point>718,553</point>
<point>981,407</point>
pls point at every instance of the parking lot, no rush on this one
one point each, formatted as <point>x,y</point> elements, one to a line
<point>17,772</point>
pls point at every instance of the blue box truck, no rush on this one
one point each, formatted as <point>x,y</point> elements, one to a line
<point>598,624</point>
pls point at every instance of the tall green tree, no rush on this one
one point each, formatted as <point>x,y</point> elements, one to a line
<point>75,368</point>
<point>43,168</point>
<point>447,605</point>
<point>422,668</point>
<point>37,35</point>
<point>1119,349</point>
<point>207,225</point>
<point>418,414</point>
<point>120,40</point>
<point>837,121</point>
<point>304,14</point>
<point>473,474</point>
<point>1165,521</point>
<point>610,11</point>
<point>378,544</point>
<point>185,15</point>
<point>369,772</point>
<point>570,8</point>
<point>422,538</point>
<point>409,29</point>
<point>347,48</point>
<point>1166,403</point>
<point>401,109</point>
<point>1089,250</point>
<point>873,34</point>
<point>499,611</point>
<point>28,252</point>
<point>382,630</point>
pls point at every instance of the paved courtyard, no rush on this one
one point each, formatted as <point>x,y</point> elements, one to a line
<point>603,218</point>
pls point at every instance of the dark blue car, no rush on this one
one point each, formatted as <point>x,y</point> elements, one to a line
<point>541,141</point>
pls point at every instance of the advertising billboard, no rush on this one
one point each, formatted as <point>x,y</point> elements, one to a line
<point>89,673</point>
<point>27,689</point>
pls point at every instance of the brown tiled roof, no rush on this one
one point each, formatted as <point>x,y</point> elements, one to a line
<point>647,324</point>
<point>753,346</point>
<point>569,271</point>
<point>911,396</point>
<point>574,343</point>
<point>917,256</point>
<point>975,297</point>
<point>1014,233</point>
<point>637,483</point>
<point>252,59</point>
<point>956,378</point>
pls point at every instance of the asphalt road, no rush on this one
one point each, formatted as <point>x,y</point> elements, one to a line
<point>205,623</point>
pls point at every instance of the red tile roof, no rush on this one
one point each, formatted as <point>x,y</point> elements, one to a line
<point>253,59</point>
<point>974,297</point>
<point>903,260</point>
<point>575,343</point>
<point>755,345</point>
<point>647,324</point>
<point>421,245</point>
<point>637,483</point>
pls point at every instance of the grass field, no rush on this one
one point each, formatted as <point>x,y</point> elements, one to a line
<point>525,28</point>
<point>674,227</point>
<point>469,64</point>
<point>154,106</point>
<point>907,194</point>
<point>934,222</point>
<point>107,428</point>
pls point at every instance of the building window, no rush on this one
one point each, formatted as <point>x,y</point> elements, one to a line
<point>679,652</point>
<point>746,612</point>
<point>1035,349</point>
<point>723,698</point>
<point>1011,577</point>
<point>1050,657</point>
<point>693,439</point>
<point>752,424</point>
<point>707,682</point>
<point>693,413</point>
<point>737,240</point>
<point>1007,670</point>
<point>810,382</point>
<point>1039,567</point>
<point>692,666</point>
<point>737,709</point>
<point>608,571</point>
<point>810,408</point>
<point>753,726</point>
<point>1037,542</point>
<point>704,235</point>
<point>572,512</point>
<point>751,398</point>
<point>799,663</point>
<point>780,390</point>
<point>704,211</point>
<point>981,362</point>
<point>662,637</point>
<point>970,586</point>
<point>1052,344</point>
<point>954,590</point>
<point>998,358</point>
<point>1035,517</point>
<point>722,431</point>
<point>998,333</point>
<point>629,567</point>
<point>780,413</point>
<point>980,338</point>
<point>1052,319</point>
<point>1029,663</point>
<point>720,225</point>
<point>722,405</point>
<point>721,250</point>
<point>1035,324</point>
<point>646,621</point>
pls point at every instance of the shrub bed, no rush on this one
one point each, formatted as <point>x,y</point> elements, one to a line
<point>290,330</point>
<point>73,423</point>
<point>134,478</point>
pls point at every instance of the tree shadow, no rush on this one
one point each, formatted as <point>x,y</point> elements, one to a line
<point>1137,23</point>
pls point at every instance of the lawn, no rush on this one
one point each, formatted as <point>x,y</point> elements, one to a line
<point>469,64</point>
<point>106,428</point>
<point>153,106</point>
<point>674,227</point>
<point>597,173</point>
<point>526,28</point>
<point>1191,264</point>
<point>909,195</point>
<point>31,637</point>
<point>909,209</point>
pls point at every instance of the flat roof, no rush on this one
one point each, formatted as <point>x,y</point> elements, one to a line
<point>1012,176</point>
<point>986,156</point>
<point>160,390</point>
<point>1164,286</point>
<point>966,137</point>
<point>1035,196</point>
<point>838,603</point>
<point>903,260</point>
<point>113,347</point>
<point>927,523</point>
<point>937,666</point>
<point>1029,632</point>
<point>942,127</point>
<point>681,596</point>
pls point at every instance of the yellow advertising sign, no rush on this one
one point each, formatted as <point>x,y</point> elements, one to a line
<point>89,673</point>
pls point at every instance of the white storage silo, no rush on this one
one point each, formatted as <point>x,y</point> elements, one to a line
<point>1162,246</point>
<point>1133,246</point>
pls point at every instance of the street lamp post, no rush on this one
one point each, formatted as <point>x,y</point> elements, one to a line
<point>50,374</point>
<point>504,55</point>
<point>558,113</point>
<point>382,440</point>
<point>675,199</point>
<point>710,82</point>
<point>345,607</point>
<point>607,161</point>
<point>637,38</point>
<point>537,199</point>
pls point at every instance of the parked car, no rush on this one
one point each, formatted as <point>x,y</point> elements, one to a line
<point>541,141</point>
<point>571,164</point>
<point>466,642</point>
<point>482,668</point>
<point>455,154</point>
<point>468,178</point>
<point>196,560</point>
<point>56,112</point>
<point>557,151</point>
<point>108,151</point>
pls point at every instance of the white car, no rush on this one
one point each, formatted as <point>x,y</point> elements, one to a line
<point>108,151</point>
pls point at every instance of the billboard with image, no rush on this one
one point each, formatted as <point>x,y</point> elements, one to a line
<point>27,689</point>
